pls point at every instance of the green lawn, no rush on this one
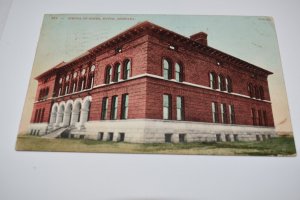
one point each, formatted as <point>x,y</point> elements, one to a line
<point>281,146</point>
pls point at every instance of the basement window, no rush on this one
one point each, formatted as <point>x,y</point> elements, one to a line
<point>100,136</point>
<point>227,138</point>
<point>236,137</point>
<point>218,137</point>
<point>257,138</point>
<point>110,136</point>
<point>182,138</point>
<point>121,137</point>
<point>168,137</point>
<point>81,137</point>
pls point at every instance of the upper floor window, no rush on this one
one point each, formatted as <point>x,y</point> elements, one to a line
<point>212,80</point>
<point>167,71</point>
<point>108,74</point>
<point>261,91</point>
<point>178,72</point>
<point>250,90</point>
<point>117,72</point>
<point>166,106</point>
<point>256,92</point>
<point>228,84</point>
<point>124,113</point>
<point>221,82</point>
<point>127,69</point>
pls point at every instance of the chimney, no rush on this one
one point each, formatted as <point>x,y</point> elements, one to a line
<point>200,37</point>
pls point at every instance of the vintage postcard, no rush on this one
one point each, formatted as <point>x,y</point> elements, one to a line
<point>168,84</point>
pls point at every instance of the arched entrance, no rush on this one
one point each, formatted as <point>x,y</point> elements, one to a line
<point>53,114</point>
<point>76,112</point>
<point>60,115</point>
<point>85,111</point>
<point>67,114</point>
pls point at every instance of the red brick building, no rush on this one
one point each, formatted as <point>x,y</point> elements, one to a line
<point>149,84</point>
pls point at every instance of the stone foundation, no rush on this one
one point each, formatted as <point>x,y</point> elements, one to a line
<point>161,131</point>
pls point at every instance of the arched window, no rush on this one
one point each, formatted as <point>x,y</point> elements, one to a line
<point>127,69</point>
<point>256,92</point>
<point>178,72</point>
<point>108,74</point>
<point>261,91</point>
<point>167,72</point>
<point>117,72</point>
<point>221,82</point>
<point>212,80</point>
<point>228,84</point>
<point>250,90</point>
<point>91,77</point>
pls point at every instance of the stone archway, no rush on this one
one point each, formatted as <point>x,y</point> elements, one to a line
<point>60,114</point>
<point>53,114</point>
<point>76,112</point>
<point>85,111</point>
<point>67,114</point>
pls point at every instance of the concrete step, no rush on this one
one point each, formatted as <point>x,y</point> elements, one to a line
<point>56,133</point>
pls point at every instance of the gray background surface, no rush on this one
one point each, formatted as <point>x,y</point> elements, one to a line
<point>41,175</point>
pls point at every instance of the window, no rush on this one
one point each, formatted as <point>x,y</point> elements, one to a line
<point>168,137</point>
<point>117,72</point>
<point>178,72</point>
<point>182,138</point>
<point>260,123</point>
<point>228,84</point>
<point>180,108</point>
<point>82,83</point>
<point>215,115</point>
<point>66,90</point>
<point>166,106</point>
<point>166,69</point>
<point>108,74</point>
<point>231,114</point>
<point>256,92</point>
<point>121,137</point>
<point>114,108</point>
<point>223,113</point>
<point>218,137</point>
<point>261,91</point>
<point>236,137</point>
<point>110,136</point>
<point>124,114</point>
<point>253,112</point>
<point>59,91</point>
<point>74,87</point>
<point>100,136</point>
<point>104,108</point>
<point>265,118</point>
<point>221,83</point>
<point>212,80</point>
<point>250,90</point>
<point>127,69</point>
<point>227,138</point>
<point>258,138</point>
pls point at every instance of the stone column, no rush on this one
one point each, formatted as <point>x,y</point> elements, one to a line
<point>83,117</point>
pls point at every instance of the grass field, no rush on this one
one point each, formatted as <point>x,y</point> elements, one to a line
<point>281,146</point>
